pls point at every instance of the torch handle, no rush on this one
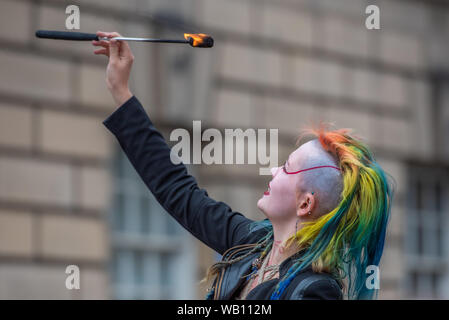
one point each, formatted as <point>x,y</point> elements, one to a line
<point>66,35</point>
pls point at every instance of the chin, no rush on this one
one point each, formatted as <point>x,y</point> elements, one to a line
<point>261,205</point>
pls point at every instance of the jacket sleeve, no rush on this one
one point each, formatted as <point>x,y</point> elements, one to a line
<point>212,222</point>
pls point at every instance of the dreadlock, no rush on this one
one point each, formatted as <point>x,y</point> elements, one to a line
<point>264,242</point>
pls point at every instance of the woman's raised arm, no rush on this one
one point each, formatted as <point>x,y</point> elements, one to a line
<point>212,222</point>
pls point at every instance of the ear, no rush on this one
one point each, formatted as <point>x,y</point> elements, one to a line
<point>306,204</point>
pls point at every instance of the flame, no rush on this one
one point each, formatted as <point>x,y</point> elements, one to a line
<point>199,40</point>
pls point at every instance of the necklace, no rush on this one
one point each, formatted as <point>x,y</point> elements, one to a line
<point>273,270</point>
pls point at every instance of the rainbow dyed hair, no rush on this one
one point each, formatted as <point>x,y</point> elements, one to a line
<point>351,237</point>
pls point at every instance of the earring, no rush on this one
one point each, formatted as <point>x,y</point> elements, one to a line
<point>310,212</point>
<point>296,228</point>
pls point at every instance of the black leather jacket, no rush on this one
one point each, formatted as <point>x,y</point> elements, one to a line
<point>212,222</point>
<point>307,285</point>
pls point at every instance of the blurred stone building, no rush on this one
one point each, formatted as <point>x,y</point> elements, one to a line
<point>68,196</point>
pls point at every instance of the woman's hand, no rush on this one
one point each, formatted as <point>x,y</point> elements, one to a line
<point>119,66</point>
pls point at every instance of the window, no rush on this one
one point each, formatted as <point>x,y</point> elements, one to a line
<point>426,237</point>
<point>152,256</point>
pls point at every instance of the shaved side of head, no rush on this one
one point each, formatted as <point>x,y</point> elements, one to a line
<point>325,183</point>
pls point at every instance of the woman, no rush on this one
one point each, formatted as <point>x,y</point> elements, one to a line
<point>327,207</point>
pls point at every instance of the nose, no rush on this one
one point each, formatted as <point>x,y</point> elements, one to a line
<point>274,171</point>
